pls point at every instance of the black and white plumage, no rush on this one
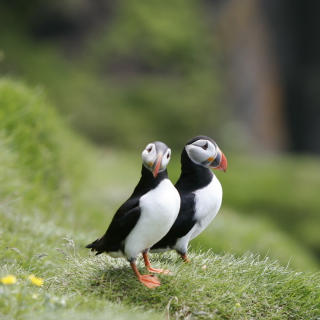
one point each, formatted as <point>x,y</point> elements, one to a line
<point>146,216</point>
<point>200,192</point>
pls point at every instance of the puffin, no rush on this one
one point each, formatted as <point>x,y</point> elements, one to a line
<point>145,217</point>
<point>200,192</point>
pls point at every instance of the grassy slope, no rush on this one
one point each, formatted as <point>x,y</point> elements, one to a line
<point>237,234</point>
<point>53,186</point>
<point>285,189</point>
<point>218,286</point>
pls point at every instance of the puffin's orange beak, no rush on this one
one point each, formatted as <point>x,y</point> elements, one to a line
<point>156,165</point>
<point>220,162</point>
<point>223,163</point>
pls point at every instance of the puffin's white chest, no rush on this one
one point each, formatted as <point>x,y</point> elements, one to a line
<point>207,204</point>
<point>159,210</point>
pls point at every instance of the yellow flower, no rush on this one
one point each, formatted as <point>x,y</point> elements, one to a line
<point>36,281</point>
<point>9,279</point>
<point>238,305</point>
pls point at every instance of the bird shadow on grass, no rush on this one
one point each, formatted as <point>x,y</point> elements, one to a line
<point>120,285</point>
<point>120,280</point>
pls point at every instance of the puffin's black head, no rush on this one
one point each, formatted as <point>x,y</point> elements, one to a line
<point>204,151</point>
<point>156,157</point>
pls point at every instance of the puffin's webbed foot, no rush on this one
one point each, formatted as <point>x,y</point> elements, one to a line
<point>163,271</point>
<point>148,280</point>
<point>184,258</point>
<point>148,265</point>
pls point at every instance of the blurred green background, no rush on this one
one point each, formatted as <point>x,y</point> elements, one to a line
<point>124,73</point>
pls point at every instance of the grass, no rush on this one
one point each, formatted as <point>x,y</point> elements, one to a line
<point>284,189</point>
<point>234,233</point>
<point>212,286</point>
<point>58,193</point>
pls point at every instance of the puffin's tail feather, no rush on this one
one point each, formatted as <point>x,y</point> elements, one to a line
<point>94,246</point>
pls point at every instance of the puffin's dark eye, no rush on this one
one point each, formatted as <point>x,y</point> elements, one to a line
<point>205,147</point>
<point>149,150</point>
<point>168,156</point>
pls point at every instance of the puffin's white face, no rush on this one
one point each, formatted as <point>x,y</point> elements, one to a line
<point>207,154</point>
<point>202,152</point>
<point>156,157</point>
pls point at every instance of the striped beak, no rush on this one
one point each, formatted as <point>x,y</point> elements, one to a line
<point>156,165</point>
<point>220,162</point>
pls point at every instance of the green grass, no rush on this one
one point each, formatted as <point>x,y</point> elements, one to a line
<point>284,189</point>
<point>228,287</point>
<point>57,191</point>
<point>235,233</point>
<point>212,286</point>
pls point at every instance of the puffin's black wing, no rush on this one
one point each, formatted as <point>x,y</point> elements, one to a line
<point>127,215</point>
<point>121,225</point>
<point>183,224</point>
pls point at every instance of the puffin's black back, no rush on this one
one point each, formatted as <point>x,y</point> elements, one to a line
<point>127,215</point>
<point>193,177</point>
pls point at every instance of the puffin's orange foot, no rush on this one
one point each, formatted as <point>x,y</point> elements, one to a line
<point>163,271</point>
<point>149,281</point>
<point>185,258</point>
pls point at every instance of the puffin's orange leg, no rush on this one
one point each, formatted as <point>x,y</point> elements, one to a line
<point>148,280</point>
<point>148,265</point>
<point>185,258</point>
